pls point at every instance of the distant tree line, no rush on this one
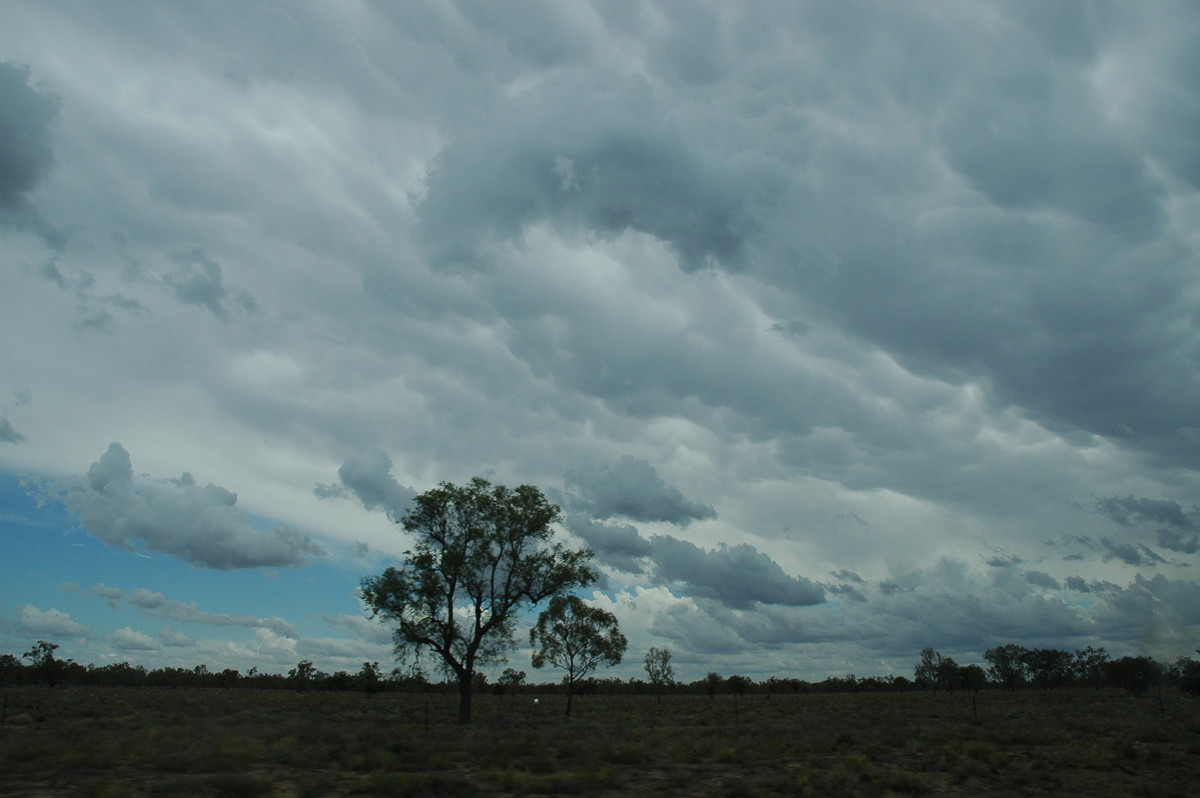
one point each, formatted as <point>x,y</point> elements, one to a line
<point>1008,667</point>
<point>1014,667</point>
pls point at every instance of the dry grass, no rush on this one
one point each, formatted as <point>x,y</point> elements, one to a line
<point>128,742</point>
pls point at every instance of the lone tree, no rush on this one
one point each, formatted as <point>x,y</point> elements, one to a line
<point>659,670</point>
<point>483,554</point>
<point>573,636</point>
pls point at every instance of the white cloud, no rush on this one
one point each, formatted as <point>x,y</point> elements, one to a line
<point>127,639</point>
<point>33,622</point>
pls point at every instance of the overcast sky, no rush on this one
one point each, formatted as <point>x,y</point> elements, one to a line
<point>837,329</point>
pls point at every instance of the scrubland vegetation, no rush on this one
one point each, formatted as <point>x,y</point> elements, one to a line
<point>120,741</point>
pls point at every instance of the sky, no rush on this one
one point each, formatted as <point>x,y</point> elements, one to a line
<point>837,329</point>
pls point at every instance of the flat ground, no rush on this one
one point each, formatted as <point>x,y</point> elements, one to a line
<point>130,742</point>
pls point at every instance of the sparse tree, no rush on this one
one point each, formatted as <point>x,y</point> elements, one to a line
<point>712,683</point>
<point>935,670</point>
<point>303,674</point>
<point>483,553</point>
<point>370,678</point>
<point>576,637</point>
<point>659,670</point>
<point>46,669</point>
<point>972,678</point>
<point>510,681</point>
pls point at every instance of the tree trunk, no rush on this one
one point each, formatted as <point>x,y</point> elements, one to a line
<point>570,695</point>
<point>464,698</point>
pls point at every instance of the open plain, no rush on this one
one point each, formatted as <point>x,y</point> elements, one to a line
<point>185,742</point>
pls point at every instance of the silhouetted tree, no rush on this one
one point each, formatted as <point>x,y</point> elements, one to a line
<point>45,668</point>
<point>482,554</point>
<point>10,669</point>
<point>576,637</point>
<point>303,674</point>
<point>934,670</point>
<point>712,683</point>
<point>1135,674</point>
<point>738,684</point>
<point>1047,666</point>
<point>1087,666</point>
<point>659,670</point>
<point>370,678</point>
<point>510,681</point>
<point>1006,665</point>
<point>1186,673</point>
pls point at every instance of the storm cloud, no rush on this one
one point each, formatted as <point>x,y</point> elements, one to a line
<point>27,119</point>
<point>838,330</point>
<point>631,488</point>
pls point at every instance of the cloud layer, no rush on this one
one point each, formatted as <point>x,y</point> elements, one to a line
<point>835,329</point>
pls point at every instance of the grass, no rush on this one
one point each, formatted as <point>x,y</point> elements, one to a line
<point>163,742</point>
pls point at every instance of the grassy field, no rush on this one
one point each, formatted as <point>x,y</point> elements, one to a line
<point>123,742</point>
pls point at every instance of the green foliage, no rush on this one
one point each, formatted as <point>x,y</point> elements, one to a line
<point>576,637</point>
<point>483,553</point>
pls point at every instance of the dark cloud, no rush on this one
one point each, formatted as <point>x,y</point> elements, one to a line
<point>631,488</point>
<point>738,576</point>
<point>368,476</point>
<point>616,545</point>
<point>8,434</point>
<point>1176,528</point>
<point>27,120</point>
<point>200,525</point>
<point>1129,553</point>
<point>1081,585</point>
<point>1041,579</point>
<point>1130,511</point>
<point>196,279</point>
<point>612,164</point>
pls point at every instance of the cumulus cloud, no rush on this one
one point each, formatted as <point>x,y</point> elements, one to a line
<point>368,477</point>
<point>127,639</point>
<point>631,488</point>
<point>156,605</point>
<point>174,638</point>
<point>738,576</point>
<point>200,525</point>
<point>33,622</point>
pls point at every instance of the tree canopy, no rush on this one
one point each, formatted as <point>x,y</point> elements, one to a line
<point>576,637</point>
<point>483,553</point>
